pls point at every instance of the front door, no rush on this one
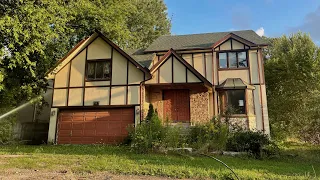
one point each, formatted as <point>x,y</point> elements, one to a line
<point>177,105</point>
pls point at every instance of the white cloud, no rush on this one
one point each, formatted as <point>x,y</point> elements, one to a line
<point>260,31</point>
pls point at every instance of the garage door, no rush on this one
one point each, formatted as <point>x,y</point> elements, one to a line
<point>108,126</point>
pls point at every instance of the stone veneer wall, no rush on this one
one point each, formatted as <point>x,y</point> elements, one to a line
<point>199,106</point>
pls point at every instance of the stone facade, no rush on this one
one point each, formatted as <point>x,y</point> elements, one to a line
<point>199,106</point>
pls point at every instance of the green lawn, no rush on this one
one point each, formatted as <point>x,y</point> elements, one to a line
<point>296,162</point>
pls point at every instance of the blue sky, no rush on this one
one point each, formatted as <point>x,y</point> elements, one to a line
<point>273,17</point>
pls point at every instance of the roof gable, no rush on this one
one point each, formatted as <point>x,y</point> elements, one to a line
<point>170,53</point>
<point>84,44</point>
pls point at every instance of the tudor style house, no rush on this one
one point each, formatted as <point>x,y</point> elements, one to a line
<point>99,89</point>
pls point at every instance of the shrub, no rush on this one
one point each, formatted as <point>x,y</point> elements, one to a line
<point>147,136</point>
<point>6,128</point>
<point>174,136</point>
<point>255,143</point>
<point>209,136</point>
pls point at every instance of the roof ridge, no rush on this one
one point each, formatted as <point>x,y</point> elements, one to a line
<point>206,33</point>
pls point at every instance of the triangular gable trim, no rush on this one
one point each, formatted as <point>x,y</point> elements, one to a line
<point>235,37</point>
<point>89,40</point>
<point>184,62</point>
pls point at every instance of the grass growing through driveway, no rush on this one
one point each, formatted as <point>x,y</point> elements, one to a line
<point>296,162</point>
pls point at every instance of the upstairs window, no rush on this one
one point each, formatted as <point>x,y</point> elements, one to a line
<point>233,60</point>
<point>98,70</point>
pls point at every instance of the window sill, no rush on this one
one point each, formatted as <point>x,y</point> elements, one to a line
<point>228,69</point>
<point>90,80</point>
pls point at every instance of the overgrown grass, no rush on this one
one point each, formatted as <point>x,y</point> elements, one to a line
<point>296,162</point>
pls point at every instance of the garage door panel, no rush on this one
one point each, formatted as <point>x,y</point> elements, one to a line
<point>66,118</point>
<point>104,126</point>
<point>77,133</point>
<point>89,132</point>
<point>66,125</point>
<point>90,125</point>
<point>77,125</point>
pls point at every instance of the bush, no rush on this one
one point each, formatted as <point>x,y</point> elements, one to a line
<point>147,136</point>
<point>6,128</point>
<point>209,136</point>
<point>255,143</point>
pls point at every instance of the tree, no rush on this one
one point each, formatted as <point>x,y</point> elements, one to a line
<point>34,34</point>
<point>292,74</point>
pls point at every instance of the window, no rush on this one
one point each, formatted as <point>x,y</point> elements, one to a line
<point>233,60</point>
<point>98,70</point>
<point>233,99</point>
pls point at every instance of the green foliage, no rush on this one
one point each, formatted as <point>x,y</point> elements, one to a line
<point>152,135</point>
<point>35,34</point>
<point>6,128</point>
<point>256,143</point>
<point>87,161</point>
<point>292,73</point>
<point>209,136</point>
<point>147,136</point>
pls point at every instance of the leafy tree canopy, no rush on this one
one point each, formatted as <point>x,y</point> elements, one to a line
<point>34,34</point>
<point>292,74</point>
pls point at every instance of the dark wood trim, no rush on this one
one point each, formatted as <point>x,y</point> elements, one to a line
<point>106,59</point>
<point>219,48</point>
<point>205,65</point>
<point>77,54</point>
<point>231,44</point>
<point>213,68</point>
<point>68,90</point>
<point>96,107</point>
<point>56,130</point>
<point>184,62</point>
<point>114,46</point>
<point>92,80</point>
<point>262,67</point>
<point>172,71</point>
<point>175,84</point>
<point>228,60</point>
<point>111,66</point>
<point>218,67</point>
<point>127,82</point>
<point>70,52</point>
<point>248,63</point>
<point>186,74</point>
<point>192,59</point>
<point>236,50</point>
<point>52,92</point>
<point>116,85</point>
<point>84,77</point>
<point>237,60</point>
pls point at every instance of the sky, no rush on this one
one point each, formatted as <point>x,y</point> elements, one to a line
<point>271,18</point>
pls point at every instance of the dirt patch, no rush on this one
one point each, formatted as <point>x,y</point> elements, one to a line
<point>24,174</point>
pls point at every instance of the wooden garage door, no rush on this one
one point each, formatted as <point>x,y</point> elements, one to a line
<point>108,126</point>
